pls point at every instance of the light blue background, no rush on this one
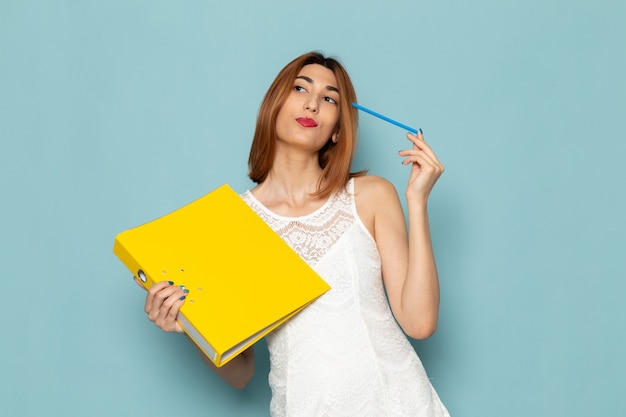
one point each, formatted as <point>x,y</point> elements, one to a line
<point>115,112</point>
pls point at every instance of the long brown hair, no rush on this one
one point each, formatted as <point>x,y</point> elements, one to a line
<point>334,158</point>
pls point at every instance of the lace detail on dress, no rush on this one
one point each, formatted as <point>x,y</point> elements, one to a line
<point>344,355</point>
<point>313,235</point>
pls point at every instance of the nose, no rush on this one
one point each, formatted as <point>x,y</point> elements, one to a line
<point>311,105</point>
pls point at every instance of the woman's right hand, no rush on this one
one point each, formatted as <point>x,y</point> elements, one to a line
<point>162,304</point>
<point>163,301</point>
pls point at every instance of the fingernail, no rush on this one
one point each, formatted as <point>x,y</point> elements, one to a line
<point>186,291</point>
<point>421,131</point>
<point>183,297</point>
<point>170,282</point>
<point>182,287</point>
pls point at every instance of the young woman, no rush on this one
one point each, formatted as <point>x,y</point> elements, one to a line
<point>347,353</point>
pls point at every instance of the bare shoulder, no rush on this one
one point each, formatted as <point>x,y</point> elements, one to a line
<point>372,189</point>
<point>374,196</point>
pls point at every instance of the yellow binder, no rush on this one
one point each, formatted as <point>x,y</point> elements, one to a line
<point>243,279</point>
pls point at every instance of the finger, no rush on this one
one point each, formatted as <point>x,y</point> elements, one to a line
<point>157,294</point>
<point>428,157</point>
<point>426,165</point>
<point>175,309</point>
<point>159,302</point>
<point>166,319</point>
<point>138,281</point>
<point>418,142</point>
<point>418,156</point>
<point>419,160</point>
<point>424,162</point>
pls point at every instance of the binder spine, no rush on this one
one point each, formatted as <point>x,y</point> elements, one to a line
<point>131,263</point>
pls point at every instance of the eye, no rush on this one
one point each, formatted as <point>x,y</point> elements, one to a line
<point>330,100</point>
<point>299,89</point>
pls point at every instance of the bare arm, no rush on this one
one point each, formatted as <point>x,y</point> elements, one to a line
<point>408,263</point>
<point>238,371</point>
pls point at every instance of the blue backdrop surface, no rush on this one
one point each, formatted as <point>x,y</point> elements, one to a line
<point>116,112</point>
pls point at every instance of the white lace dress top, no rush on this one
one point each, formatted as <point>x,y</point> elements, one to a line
<point>343,355</point>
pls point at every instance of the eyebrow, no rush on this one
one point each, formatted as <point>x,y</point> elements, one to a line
<point>310,81</point>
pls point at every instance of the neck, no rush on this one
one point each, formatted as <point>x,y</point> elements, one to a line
<point>291,184</point>
<point>295,172</point>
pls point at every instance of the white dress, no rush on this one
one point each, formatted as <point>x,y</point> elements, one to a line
<point>344,355</point>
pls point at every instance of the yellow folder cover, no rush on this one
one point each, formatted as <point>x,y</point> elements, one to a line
<point>243,279</point>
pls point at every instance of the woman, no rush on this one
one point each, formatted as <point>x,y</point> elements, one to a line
<point>344,354</point>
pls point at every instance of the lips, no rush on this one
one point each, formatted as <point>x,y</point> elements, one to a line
<point>306,121</point>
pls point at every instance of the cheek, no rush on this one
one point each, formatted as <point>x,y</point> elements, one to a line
<point>333,121</point>
<point>282,113</point>
<point>281,127</point>
<point>291,102</point>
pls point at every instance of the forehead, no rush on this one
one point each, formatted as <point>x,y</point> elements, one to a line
<point>319,75</point>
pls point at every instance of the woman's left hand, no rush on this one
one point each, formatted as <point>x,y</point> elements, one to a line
<point>425,170</point>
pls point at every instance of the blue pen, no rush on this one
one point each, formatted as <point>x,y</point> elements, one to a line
<point>385,118</point>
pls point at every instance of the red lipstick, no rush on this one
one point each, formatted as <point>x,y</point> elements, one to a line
<point>306,121</point>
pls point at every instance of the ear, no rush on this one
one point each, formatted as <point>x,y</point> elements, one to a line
<point>335,137</point>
